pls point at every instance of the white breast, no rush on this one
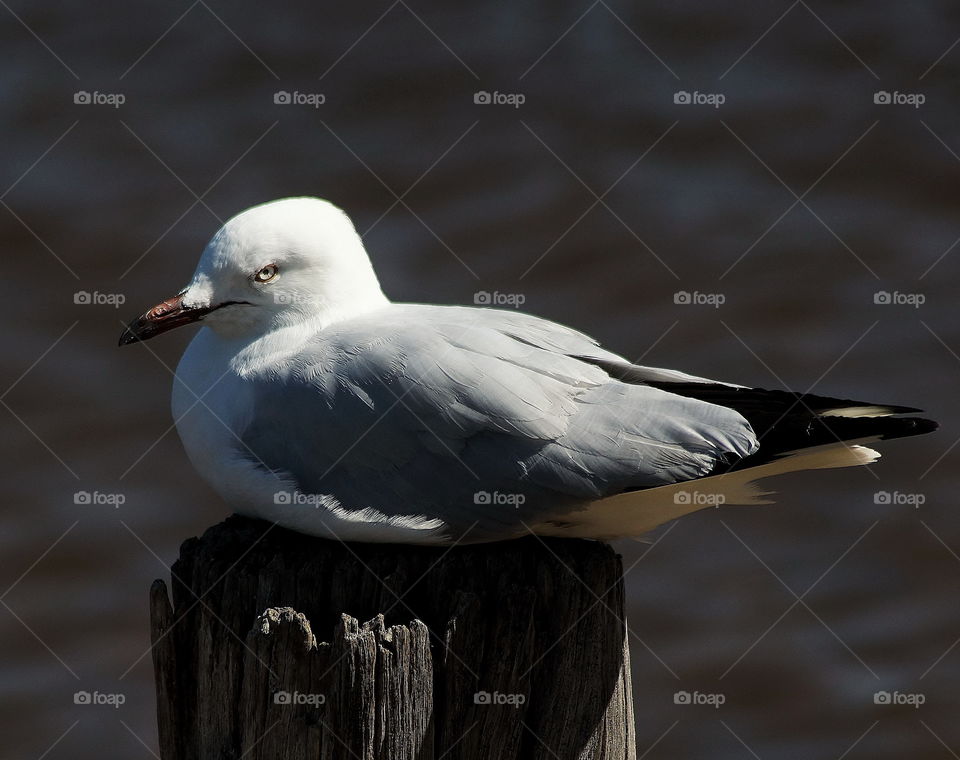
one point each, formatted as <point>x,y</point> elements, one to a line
<point>212,405</point>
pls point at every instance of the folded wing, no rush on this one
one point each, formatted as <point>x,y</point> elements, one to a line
<point>437,411</point>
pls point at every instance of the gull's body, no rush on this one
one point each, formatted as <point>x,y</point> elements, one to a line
<point>311,400</point>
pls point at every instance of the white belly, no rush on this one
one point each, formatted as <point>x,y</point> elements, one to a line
<point>212,406</point>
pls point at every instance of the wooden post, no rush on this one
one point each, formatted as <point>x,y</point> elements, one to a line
<point>506,650</point>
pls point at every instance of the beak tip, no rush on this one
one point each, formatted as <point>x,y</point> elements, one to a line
<point>129,335</point>
<point>162,317</point>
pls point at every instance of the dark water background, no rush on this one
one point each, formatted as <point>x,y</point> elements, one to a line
<point>103,199</point>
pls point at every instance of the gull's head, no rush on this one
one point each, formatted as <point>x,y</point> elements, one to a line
<point>275,265</point>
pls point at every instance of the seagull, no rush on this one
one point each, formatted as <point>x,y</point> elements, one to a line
<point>310,400</point>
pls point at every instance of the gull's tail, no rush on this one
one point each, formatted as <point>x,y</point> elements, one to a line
<point>796,432</point>
<point>634,513</point>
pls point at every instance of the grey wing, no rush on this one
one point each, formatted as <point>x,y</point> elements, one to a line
<point>474,415</point>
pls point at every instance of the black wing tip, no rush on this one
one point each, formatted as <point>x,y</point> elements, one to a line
<point>830,430</point>
<point>902,427</point>
<point>788,421</point>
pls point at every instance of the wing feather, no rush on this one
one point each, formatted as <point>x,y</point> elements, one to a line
<point>417,409</point>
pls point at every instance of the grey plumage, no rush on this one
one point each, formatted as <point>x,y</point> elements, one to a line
<point>423,408</point>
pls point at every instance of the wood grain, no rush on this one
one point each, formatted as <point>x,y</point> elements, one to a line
<point>506,650</point>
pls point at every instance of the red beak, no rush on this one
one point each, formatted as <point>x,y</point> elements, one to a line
<point>161,318</point>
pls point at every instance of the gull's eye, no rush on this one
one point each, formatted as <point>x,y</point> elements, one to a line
<point>269,272</point>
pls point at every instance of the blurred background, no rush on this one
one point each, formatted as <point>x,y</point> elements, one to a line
<point>765,193</point>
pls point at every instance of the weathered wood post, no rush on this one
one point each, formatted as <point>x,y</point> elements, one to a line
<point>495,651</point>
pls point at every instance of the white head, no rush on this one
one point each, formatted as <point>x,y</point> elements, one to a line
<point>275,265</point>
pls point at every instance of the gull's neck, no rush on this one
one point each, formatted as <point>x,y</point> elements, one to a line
<point>272,348</point>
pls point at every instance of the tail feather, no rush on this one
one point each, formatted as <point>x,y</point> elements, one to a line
<point>634,513</point>
<point>796,431</point>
